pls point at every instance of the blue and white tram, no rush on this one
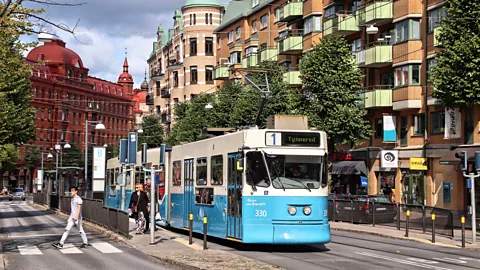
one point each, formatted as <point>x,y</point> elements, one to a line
<point>255,186</point>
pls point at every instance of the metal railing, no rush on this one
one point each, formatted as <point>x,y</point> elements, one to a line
<point>94,211</point>
<point>391,214</point>
<point>40,198</point>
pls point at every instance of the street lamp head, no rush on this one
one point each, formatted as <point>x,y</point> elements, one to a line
<point>208,106</point>
<point>100,126</point>
<point>67,146</point>
<point>140,131</point>
<point>372,30</point>
<point>105,145</point>
<point>49,156</point>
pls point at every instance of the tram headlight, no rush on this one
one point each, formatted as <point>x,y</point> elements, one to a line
<point>307,210</point>
<point>292,210</point>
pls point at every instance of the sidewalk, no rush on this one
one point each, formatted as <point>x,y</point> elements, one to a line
<point>414,235</point>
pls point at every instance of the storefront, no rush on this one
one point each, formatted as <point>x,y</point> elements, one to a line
<point>351,175</point>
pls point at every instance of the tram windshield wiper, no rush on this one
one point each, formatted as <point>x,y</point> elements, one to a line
<point>301,182</point>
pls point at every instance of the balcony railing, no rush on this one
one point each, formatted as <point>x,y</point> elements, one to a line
<point>341,24</point>
<point>292,11</point>
<point>267,54</point>
<point>291,44</point>
<point>292,77</point>
<point>221,73</point>
<point>375,56</point>
<point>165,93</point>
<point>376,12</point>
<point>378,96</point>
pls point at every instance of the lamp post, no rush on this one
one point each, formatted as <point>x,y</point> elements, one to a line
<point>58,148</point>
<point>99,126</point>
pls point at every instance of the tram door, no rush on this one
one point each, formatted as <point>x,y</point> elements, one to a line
<point>188,195</point>
<point>234,220</point>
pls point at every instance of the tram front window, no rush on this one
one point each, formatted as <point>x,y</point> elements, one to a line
<point>256,170</point>
<point>292,172</point>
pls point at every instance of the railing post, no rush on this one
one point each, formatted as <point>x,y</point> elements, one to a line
<point>351,209</point>
<point>462,220</point>
<point>424,219</point>
<point>433,228</point>
<point>408,223</point>
<point>334,209</point>
<point>204,232</point>
<point>398,216</point>
<point>373,219</point>
<point>190,241</point>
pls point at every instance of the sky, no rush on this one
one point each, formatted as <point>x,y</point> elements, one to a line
<point>107,27</point>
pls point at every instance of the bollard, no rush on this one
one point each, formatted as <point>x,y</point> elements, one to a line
<point>398,216</point>
<point>373,209</point>
<point>463,231</point>
<point>204,232</point>
<point>433,228</point>
<point>408,223</point>
<point>190,241</point>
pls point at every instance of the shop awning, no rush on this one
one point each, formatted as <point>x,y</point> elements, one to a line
<point>350,168</point>
<point>450,159</point>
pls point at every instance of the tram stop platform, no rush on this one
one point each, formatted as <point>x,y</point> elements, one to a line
<point>413,235</point>
<point>172,248</point>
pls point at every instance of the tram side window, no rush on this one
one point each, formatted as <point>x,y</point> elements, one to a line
<point>204,195</point>
<point>177,173</point>
<point>202,171</point>
<point>216,172</point>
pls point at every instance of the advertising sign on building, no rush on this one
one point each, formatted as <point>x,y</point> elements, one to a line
<point>453,123</point>
<point>389,158</point>
<point>99,162</point>
<point>389,129</point>
<point>418,164</point>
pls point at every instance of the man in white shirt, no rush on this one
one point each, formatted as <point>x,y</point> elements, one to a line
<point>74,219</point>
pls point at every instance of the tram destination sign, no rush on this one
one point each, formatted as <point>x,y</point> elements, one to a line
<point>294,139</point>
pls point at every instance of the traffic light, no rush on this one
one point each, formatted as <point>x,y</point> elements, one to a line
<point>144,154</point>
<point>462,155</point>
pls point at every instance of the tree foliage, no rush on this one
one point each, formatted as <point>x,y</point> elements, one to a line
<point>333,83</point>
<point>8,157</point>
<point>456,76</point>
<point>152,132</point>
<point>73,157</point>
<point>32,158</point>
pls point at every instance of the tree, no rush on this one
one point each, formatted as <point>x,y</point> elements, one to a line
<point>332,80</point>
<point>8,157</point>
<point>72,157</point>
<point>456,76</point>
<point>32,158</point>
<point>152,132</point>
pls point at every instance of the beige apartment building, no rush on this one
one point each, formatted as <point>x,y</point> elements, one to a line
<point>182,61</point>
<point>394,42</point>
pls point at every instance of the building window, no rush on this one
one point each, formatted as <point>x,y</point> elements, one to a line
<point>34,92</point>
<point>418,124</point>
<point>216,170</point>
<point>193,75</point>
<point>201,171</point>
<point>175,101</point>
<point>236,58</point>
<point>211,17</point>
<point>379,128</point>
<point>252,50</point>
<point>278,14</point>
<point>69,74</point>
<point>313,24</point>
<point>219,42</point>
<point>209,46</point>
<point>435,16</point>
<point>430,64</point>
<point>255,3</point>
<point>438,122</point>
<point>239,32</point>
<point>190,19</point>
<point>175,79</point>
<point>230,37</point>
<point>209,74</point>
<point>193,46</point>
<point>254,26</point>
<point>81,77</point>
<point>407,75</point>
<point>94,86</point>
<point>264,21</point>
<point>194,19</point>
<point>407,30</point>
<point>49,114</point>
<point>206,18</point>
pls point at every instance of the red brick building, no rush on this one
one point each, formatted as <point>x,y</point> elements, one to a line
<point>65,96</point>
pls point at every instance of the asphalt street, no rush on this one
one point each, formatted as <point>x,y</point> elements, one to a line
<point>27,234</point>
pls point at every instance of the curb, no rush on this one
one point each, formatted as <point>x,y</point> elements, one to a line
<point>3,259</point>
<point>412,239</point>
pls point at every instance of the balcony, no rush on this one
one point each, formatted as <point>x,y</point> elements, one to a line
<point>157,76</point>
<point>149,99</point>
<point>267,54</point>
<point>436,42</point>
<point>252,60</point>
<point>376,12</point>
<point>341,25</point>
<point>221,73</point>
<point>292,77</point>
<point>166,118</point>
<point>378,96</point>
<point>292,11</point>
<point>291,44</point>
<point>165,93</point>
<point>375,56</point>
<point>407,98</point>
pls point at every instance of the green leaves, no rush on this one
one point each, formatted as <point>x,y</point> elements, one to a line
<point>32,157</point>
<point>456,76</point>
<point>152,132</point>
<point>332,79</point>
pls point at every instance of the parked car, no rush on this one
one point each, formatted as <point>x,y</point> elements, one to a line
<point>17,193</point>
<point>385,210</point>
<point>342,205</point>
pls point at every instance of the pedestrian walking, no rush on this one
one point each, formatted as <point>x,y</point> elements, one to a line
<point>138,206</point>
<point>74,219</point>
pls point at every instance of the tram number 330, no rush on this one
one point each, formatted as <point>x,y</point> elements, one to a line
<point>260,213</point>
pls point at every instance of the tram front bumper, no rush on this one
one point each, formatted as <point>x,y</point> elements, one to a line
<point>287,234</point>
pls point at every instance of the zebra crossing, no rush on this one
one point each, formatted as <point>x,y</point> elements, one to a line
<point>103,247</point>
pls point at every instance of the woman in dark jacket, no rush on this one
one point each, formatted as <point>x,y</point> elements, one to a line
<point>139,198</point>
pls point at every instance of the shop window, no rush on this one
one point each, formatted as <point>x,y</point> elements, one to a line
<point>438,122</point>
<point>418,123</point>
<point>177,173</point>
<point>216,172</point>
<point>201,171</point>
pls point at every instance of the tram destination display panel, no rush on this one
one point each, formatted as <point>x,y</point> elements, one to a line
<point>293,139</point>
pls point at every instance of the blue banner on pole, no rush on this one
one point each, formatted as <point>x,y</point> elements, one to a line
<point>364,181</point>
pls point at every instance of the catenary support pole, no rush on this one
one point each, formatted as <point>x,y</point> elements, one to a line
<point>152,206</point>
